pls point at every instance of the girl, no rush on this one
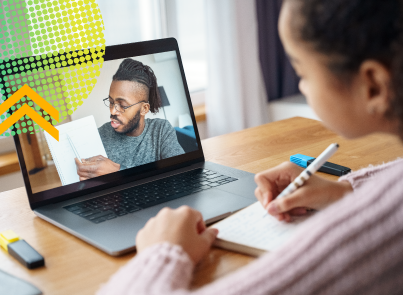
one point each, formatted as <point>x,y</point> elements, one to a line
<point>349,55</point>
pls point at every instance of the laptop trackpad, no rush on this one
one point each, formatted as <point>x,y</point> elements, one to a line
<point>211,203</point>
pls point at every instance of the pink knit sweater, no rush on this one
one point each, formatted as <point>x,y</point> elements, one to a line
<point>355,246</point>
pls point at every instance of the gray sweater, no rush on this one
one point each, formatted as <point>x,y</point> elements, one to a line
<point>158,141</point>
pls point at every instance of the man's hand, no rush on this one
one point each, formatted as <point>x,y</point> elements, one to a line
<point>316,193</point>
<point>183,226</point>
<point>95,166</point>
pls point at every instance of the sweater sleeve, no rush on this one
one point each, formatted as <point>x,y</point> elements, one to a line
<point>362,176</point>
<point>160,269</point>
<point>352,247</point>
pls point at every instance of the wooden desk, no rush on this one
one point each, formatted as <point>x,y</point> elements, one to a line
<point>74,267</point>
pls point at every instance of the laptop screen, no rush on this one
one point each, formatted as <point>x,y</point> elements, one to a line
<point>137,120</point>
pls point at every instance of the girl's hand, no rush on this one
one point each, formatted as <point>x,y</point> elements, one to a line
<point>183,226</point>
<point>316,193</point>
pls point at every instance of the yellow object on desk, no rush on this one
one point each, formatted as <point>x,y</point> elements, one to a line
<point>7,237</point>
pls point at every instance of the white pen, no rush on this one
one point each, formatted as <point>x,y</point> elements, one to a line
<point>311,169</point>
<point>74,148</point>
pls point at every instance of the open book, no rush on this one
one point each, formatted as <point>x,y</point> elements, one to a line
<point>252,231</point>
<point>85,137</point>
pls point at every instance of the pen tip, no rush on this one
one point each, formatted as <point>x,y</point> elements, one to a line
<point>337,145</point>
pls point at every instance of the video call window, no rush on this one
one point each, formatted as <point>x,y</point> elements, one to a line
<point>136,114</point>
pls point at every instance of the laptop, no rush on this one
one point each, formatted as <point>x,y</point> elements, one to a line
<point>161,166</point>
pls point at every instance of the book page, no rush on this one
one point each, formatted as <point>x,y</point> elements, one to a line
<point>253,227</point>
<point>85,137</point>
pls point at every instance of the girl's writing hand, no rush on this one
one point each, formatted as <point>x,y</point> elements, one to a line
<point>316,192</point>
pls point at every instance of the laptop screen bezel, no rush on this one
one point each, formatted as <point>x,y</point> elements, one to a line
<point>104,182</point>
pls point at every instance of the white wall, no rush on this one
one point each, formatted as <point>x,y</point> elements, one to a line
<point>122,21</point>
<point>168,75</point>
<point>11,181</point>
<point>6,144</point>
<point>293,106</point>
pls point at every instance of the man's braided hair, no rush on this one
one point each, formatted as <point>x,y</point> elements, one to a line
<point>135,71</point>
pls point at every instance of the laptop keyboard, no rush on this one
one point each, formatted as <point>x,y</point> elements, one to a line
<point>133,199</point>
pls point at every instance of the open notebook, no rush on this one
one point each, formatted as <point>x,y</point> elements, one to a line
<point>85,137</point>
<point>252,231</point>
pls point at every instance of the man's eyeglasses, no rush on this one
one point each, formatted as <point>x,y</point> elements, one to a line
<point>121,109</point>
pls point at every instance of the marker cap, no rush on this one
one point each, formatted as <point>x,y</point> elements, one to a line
<point>301,160</point>
<point>330,168</point>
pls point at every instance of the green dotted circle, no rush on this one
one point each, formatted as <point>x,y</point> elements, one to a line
<point>55,47</point>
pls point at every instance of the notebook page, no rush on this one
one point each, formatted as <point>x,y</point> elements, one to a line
<point>85,137</point>
<point>254,228</point>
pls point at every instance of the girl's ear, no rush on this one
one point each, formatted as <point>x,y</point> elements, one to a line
<point>376,87</point>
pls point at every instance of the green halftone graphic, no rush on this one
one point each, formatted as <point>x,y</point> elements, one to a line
<point>56,48</point>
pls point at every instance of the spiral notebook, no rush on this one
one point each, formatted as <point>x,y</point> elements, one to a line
<point>87,141</point>
<point>254,232</point>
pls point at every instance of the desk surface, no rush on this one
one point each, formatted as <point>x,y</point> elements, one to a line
<point>74,267</point>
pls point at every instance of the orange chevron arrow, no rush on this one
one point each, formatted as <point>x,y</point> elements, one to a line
<point>27,110</point>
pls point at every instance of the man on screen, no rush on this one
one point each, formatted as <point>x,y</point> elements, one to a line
<point>129,139</point>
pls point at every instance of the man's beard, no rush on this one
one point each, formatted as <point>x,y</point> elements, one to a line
<point>132,125</point>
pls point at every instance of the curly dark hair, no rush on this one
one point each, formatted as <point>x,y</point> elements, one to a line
<point>353,31</point>
<point>135,71</point>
